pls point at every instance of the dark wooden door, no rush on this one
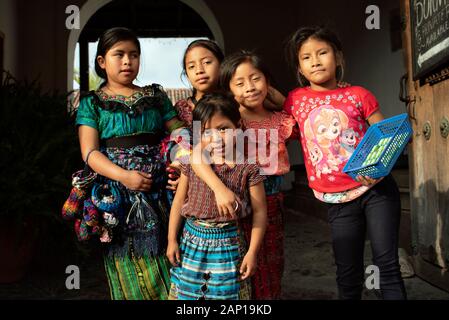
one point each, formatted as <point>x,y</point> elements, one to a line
<point>1,55</point>
<point>429,151</point>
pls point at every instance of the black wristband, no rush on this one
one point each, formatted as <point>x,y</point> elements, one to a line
<point>88,154</point>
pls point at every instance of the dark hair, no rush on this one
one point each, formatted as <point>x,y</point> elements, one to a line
<point>231,63</point>
<point>216,102</point>
<point>210,45</point>
<point>108,39</point>
<point>298,38</point>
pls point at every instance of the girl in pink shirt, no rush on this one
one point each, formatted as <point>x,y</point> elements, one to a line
<point>332,121</point>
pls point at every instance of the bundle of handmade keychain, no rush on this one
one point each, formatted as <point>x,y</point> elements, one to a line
<point>88,198</point>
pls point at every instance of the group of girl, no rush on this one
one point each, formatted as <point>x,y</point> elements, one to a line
<point>222,238</point>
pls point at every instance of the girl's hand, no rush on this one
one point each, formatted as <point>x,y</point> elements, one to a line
<point>173,178</point>
<point>172,183</point>
<point>136,180</point>
<point>226,201</point>
<point>249,266</point>
<point>274,100</point>
<point>173,253</point>
<point>365,180</point>
<point>175,165</point>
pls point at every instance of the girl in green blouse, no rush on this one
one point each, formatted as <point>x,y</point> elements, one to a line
<point>120,127</point>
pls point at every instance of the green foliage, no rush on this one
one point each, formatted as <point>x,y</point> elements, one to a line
<point>94,79</point>
<point>38,145</point>
<point>39,152</point>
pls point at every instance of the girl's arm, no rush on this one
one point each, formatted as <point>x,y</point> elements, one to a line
<point>224,197</point>
<point>259,207</point>
<point>175,220</point>
<point>90,143</point>
<point>275,100</point>
<point>375,117</point>
<point>173,179</point>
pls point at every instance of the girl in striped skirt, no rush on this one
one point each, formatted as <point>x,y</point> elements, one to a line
<point>245,76</point>
<point>212,259</point>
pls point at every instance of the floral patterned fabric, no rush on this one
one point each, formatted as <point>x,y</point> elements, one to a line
<point>345,196</point>
<point>184,110</point>
<point>143,229</point>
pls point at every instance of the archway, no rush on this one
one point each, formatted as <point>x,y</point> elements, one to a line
<point>92,6</point>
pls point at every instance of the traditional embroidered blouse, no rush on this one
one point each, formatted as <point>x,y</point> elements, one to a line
<point>145,111</point>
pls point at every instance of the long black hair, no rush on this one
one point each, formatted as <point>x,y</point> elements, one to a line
<point>216,102</point>
<point>232,62</point>
<point>298,38</point>
<point>107,40</point>
<point>210,45</point>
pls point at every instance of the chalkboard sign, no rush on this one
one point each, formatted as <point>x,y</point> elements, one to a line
<point>430,35</point>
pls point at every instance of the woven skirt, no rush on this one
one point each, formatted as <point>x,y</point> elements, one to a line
<point>210,264</point>
<point>132,278</point>
<point>135,261</point>
<point>266,282</point>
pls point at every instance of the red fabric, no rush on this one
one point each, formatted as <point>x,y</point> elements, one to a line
<point>331,123</point>
<point>184,109</point>
<point>202,203</point>
<point>266,282</point>
<point>285,126</point>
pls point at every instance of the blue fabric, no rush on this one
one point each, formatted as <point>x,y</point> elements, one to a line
<point>146,112</point>
<point>273,184</point>
<point>208,252</point>
<point>146,230</point>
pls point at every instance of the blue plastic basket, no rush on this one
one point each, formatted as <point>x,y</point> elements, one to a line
<point>379,149</point>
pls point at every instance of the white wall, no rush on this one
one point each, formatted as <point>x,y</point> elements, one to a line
<point>370,60</point>
<point>8,26</point>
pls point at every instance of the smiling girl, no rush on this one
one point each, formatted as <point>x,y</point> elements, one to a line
<point>213,260</point>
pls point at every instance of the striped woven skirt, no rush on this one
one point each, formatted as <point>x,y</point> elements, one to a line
<point>135,261</point>
<point>132,278</point>
<point>266,282</point>
<point>210,263</point>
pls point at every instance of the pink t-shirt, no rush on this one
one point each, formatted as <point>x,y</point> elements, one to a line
<point>331,124</point>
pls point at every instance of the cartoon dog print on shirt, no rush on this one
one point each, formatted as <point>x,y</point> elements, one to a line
<point>324,127</point>
<point>348,140</point>
<point>316,157</point>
